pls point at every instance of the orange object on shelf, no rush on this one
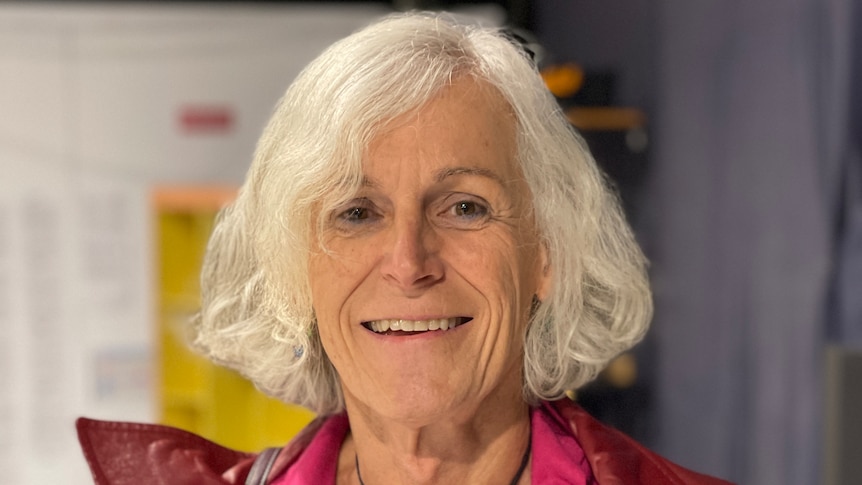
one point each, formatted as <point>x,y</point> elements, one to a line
<point>563,80</point>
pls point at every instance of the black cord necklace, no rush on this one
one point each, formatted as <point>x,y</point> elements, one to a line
<point>524,460</point>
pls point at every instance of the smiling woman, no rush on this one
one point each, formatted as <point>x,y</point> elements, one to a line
<point>448,237</point>
<point>425,254</point>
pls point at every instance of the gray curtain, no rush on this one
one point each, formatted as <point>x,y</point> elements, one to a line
<point>750,156</point>
<point>845,310</point>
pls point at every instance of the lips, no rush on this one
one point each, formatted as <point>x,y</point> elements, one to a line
<point>410,327</point>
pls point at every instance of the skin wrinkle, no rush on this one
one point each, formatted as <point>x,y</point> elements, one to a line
<point>426,410</point>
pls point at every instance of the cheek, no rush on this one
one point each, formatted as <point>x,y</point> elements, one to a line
<point>334,278</point>
<point>505,252</point>
<point>324,280</point>
<point>328,269</point>
<point>327,300</point>
<point>497,266</point>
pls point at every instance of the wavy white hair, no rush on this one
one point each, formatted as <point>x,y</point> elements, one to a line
<point>257,312</point>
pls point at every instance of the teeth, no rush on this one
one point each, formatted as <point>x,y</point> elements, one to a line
<point>381,326</point>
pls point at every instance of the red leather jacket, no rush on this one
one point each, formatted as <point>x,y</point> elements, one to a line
<point>142,454</point>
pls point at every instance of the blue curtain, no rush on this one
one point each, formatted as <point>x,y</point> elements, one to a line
<point>750,183</point>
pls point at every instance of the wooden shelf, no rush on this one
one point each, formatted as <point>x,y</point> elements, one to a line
<point>606,118</point>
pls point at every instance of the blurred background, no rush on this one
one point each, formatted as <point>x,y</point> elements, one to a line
<point>731,128</point>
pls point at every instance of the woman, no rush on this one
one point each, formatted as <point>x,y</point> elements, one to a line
<point>425,254</point>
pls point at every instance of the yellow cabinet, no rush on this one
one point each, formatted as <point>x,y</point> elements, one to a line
<point>195,394</point>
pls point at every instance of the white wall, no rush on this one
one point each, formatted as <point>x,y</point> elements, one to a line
<point>91,100</point>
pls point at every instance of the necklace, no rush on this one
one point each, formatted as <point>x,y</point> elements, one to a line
<point>524,460</point>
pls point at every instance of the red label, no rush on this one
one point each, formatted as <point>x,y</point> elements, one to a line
<point>206,119</point>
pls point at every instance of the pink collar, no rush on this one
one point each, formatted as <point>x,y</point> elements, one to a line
<point>557,456</point>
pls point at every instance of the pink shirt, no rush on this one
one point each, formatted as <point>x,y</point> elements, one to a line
<point>557,457</point>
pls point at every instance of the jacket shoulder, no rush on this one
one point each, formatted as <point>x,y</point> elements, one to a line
<point>616,458</point>
<point>120,453</point>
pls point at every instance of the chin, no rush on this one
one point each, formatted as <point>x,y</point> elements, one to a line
<point>421,407</point>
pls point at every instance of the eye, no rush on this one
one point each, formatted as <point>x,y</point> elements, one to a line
<point>465,210</point>
<point>468,209</point>
<point>355,212</point>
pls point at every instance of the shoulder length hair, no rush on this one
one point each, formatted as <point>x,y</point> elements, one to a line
<point>257,315</point>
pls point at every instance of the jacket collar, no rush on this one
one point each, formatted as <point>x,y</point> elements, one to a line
<point>121,453</point>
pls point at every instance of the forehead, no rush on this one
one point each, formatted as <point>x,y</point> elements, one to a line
<point>468,122</point>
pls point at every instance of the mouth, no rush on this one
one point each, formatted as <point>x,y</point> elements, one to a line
<point>398,327</point>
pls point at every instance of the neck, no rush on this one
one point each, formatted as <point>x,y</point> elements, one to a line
<point>482,445</point>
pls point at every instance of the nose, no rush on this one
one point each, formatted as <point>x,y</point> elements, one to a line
<point>411,261</point>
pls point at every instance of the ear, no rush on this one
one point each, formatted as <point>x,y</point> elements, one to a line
<point>545,280</point>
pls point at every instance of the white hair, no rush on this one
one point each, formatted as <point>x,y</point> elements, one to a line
<point>257,315</point>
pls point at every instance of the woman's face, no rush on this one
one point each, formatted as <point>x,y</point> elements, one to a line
<point>440,235</point>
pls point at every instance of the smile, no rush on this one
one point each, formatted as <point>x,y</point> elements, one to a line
<point>391,326</point>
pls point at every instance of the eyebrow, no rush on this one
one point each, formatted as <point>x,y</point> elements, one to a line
<point>444,173</point>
